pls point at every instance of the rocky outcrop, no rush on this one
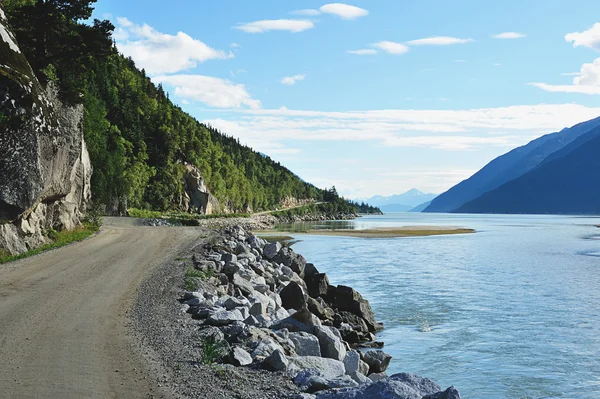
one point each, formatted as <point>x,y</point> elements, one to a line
<point>269,302</point>
<point>196,196</point>
<point>44,163</point>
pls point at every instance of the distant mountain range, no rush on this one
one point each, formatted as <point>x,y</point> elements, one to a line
<point>405,202</point>
<point>556,173</point>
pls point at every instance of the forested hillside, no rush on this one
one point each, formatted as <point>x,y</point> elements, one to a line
<point>138,140</point>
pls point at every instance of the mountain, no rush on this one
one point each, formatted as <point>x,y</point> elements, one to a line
<point>400,202</point>
<point>567,182</point>
<point>508,167</point>
<point>420,208</point>
<point>395,208</point>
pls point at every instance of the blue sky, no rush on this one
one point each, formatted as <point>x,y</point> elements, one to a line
<point>374,97</point>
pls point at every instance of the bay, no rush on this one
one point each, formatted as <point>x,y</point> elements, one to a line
<point>512,311</point>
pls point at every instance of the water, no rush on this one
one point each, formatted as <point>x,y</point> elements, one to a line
<point>512,311</point>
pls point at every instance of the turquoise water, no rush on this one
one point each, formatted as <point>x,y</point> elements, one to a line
<point>512,311</point>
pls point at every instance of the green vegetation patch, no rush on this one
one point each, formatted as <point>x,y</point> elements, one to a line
<point>59,239</point>
<point>192,275</point>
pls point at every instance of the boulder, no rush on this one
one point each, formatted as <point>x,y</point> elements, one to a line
<point>317,285</point>
<point>405,386</point>
<point>270,250</point>
<point>311,380</point>
<point>315,308</point>
<point>306,344</point>
<point>359,378</point>
<point>256,242</point>
<point>224,317</point>
<point>352,361</point>
<point>309,271</point>
<point>232,303</point>
<point>356,322</point>
<point>377,360</point>
<point>239,357</point>
<point>348,299</point>
<point>265,347</point>
<point>276,361</point>
<point>228,257</point>
<point>242,284</point>
<point>331,344</point>
<point>302,320</point>
<point>328,368</point>
<point>450,393</point>
<point>293,296</point>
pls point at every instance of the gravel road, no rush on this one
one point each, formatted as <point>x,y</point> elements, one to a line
<point>64,330</point>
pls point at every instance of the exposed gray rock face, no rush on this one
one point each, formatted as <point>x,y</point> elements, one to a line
<point>44,163</point>
<point>196,196</point>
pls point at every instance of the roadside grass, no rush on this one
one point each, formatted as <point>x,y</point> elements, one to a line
<point>212,351</point>
<point>184,218</point>
<point>190,282</point>
<point>59,239</point>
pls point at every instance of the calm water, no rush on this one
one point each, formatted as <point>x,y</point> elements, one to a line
<point>512,311</point>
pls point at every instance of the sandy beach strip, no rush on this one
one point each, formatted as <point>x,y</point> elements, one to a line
<point>385,232</point>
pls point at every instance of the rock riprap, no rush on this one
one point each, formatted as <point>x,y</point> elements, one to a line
<point>277,312</point>
<point>45,168</point>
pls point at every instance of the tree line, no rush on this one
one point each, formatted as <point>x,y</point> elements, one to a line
<point>138,140</point>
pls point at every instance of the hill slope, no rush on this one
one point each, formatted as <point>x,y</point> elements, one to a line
<point>508,167</point>
<point>568,184</point>
<point>140,143</point>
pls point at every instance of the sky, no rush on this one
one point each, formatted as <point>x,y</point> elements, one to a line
<point>374,97</point>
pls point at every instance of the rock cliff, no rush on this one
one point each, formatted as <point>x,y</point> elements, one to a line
<point>45,168</point>
<point>196,196</point>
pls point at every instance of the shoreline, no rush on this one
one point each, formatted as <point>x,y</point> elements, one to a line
<point>278,324</point>
<point>393,232</point>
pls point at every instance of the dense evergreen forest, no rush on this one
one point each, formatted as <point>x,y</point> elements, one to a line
<point>138,140</point>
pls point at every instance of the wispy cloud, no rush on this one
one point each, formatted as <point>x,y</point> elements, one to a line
<point>585,82</point>
<point>292,80</point>
<point>307,12</point>
<point>214,92</point>
<point>344,11</point>
<point>509,35</point>
<point>438,41</point>
<point>367,51</point>
<point>290,25</point>
<point>391,47</point>
<point>440,129</point>
<point>158,52</point>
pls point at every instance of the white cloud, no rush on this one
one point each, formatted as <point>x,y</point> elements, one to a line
<point>292,80</point>
<point>214,92</point>
<point>308,12</point>
<point>460,61</point>
<point>234,45</point>
<point>290,25</point>
<point>570,74</point>
<point>438,129</point>
<point>509,35</point>
<point>391,47</point>
<point>367,51</point>
<point>158,52</point>
<point>585,82</point>
<point>589,38</point>
<point>439,41</point>
<point>344,11</point>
